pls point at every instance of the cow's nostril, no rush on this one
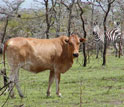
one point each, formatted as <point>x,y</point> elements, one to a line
<point>75,54</point>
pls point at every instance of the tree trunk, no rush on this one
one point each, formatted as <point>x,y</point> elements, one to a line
<point>47,19</point>
<point>58,21</point>
<point>69,22</point>
<point>105,29</point>
<point>85,33</point>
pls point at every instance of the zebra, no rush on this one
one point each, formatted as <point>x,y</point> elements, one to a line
<point>113,37</point>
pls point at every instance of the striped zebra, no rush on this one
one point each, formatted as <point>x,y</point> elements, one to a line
<point>113,38</point>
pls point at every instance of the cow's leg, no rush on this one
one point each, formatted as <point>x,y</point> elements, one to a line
<point>12,80</point>
<point>57,78</point>
<point>51,79</point>
<point>18,85</point>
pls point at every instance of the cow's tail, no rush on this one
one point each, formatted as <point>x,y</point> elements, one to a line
<point>4,63</point>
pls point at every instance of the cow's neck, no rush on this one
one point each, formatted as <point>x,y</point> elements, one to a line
<point>66,56</point>
<point>69,54</point>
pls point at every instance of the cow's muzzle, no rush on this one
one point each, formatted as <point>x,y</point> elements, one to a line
<point>75,54</point>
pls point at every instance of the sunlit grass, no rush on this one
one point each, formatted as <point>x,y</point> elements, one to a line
<point>101,86</point>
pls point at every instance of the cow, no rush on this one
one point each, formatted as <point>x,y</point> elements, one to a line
<point>37,55</point>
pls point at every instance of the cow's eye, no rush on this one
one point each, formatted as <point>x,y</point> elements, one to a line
<point>78,43</point>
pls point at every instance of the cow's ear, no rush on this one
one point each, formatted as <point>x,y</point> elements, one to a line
<point>66,40</point>
<point>82,39</point>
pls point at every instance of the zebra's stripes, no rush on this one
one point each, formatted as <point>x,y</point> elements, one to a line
<point>113,37</point>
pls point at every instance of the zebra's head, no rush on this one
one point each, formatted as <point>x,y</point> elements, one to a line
<point>96,29</point>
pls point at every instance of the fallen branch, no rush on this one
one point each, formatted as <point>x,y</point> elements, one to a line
<point>3,91</point>
<point>8,96</point>
<point>5,85</point>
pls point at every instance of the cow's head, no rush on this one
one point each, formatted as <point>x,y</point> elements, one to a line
<point>74,43</point>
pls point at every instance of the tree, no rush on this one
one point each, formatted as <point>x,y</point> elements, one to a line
<point>105,29</point>
<point>85,33</point>
<point>69,8</point>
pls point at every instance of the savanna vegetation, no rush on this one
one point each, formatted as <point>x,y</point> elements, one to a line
<point>91,86</point>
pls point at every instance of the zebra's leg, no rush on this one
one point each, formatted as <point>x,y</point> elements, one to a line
<point>122,46</point>
<point>120,49</point>
<point>116,50</point>
<point>101,51</point>
<point>97,50</point>
<point>101,48</point>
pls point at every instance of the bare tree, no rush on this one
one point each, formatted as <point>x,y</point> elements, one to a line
<point>69,8</point>
<point>58,19</point>
<point>49,16</point>
<point>105,29</point>
<point>92,17</point>
<point>10,10</point>
<point>56,12</point>
<point>85,33</point>
<point>47,19</point>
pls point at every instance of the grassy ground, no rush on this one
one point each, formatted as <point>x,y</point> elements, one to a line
<point>94,86</point>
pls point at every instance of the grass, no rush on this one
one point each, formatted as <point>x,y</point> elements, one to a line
<point>101,86</point>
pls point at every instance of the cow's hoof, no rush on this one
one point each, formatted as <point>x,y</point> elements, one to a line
<point>59,94</point>
<point>22,96</point>
<point>48,94</point>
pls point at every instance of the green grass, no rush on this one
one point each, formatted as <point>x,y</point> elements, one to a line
<point>101,86</point>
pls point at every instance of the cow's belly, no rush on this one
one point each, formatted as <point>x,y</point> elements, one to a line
<point>37,63</point>
<point>36,68</point>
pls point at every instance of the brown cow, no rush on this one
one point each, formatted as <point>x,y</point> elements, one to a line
<point>37,55</point>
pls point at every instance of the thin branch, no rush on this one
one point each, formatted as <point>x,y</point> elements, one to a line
<point>65,5</point>
<point>3,91</point>
<point>5,85</point>
<point>101,7</point>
